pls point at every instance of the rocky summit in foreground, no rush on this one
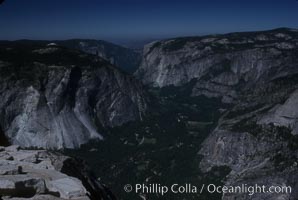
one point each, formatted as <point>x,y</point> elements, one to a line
<point>41,175</point>
<point>53,97</point>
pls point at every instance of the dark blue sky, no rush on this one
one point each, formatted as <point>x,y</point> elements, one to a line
<point>140,19</point>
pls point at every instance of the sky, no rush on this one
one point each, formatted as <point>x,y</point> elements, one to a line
<point>140,19</point>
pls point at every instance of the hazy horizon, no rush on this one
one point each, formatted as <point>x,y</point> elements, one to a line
<point>138,42</point>
<point>130,20</point>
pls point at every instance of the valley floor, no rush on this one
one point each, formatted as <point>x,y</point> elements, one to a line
<point>161,149</point>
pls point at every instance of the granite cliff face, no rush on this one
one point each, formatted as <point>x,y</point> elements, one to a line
<point>36,174</point>
<point>222,65</point>
<point>54,97</point>
<point>257,75</point>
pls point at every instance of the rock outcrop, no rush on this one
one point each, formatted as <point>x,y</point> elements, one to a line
<point>38,174</point>
<point>53,97</point>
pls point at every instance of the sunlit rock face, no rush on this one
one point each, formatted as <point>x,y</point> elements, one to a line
<point>52,97</point>
<point>284,114</point>
<point>223,65</point>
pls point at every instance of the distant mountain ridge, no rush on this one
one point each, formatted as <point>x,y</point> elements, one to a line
<point>125,59</point>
